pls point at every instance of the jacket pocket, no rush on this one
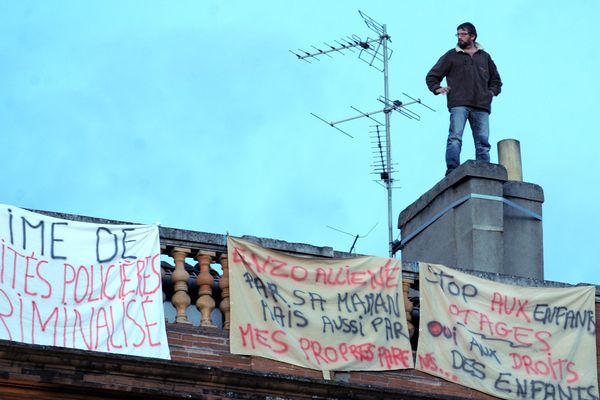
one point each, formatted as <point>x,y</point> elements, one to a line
<point>484,73</point>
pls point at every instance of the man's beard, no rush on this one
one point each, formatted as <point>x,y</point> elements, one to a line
<point>465,44</point>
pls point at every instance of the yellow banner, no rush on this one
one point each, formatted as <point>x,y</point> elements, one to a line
<point>324,314</point>
<point>509,341</point>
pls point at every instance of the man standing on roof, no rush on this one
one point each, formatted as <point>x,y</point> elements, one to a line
<point>472,80</point>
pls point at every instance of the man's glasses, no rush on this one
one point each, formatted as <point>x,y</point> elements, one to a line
<point>463,34</point>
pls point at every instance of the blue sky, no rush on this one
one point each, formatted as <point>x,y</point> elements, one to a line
<point>194,114</point>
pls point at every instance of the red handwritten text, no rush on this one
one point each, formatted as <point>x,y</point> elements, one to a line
<point>547,367</point>
<point>253,337</point>
<point>502,305</point>
<point>517,336</point>
<point>387,276</point>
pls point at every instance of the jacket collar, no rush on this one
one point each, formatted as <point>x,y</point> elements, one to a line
<point>478,46</point>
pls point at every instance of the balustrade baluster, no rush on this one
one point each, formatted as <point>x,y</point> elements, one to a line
<point>163,249</point>
<point>408,305</point>
<point>181,298</point>
<point>205,281</point>
<point>224,285</point>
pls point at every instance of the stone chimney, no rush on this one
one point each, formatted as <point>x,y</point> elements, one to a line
<point>477,219</point>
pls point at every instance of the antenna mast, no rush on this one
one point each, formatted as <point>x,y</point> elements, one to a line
<point>387,177</point>
<point>373,52</point>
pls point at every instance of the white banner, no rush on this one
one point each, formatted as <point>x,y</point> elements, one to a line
<point>509,341</point>
<point>81,285</point>
<point>324,314</point>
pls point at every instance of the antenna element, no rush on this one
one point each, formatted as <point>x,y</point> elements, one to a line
<point>376,53</point>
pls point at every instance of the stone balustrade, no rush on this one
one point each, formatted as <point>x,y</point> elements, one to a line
<point>195,272</point>
<point>193,287</point>
<point>200,290</point>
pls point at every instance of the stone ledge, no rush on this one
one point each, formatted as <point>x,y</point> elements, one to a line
<point>467,170</point>
<point>523,190</point>
<point>77,371</point>
<point>173,237</point>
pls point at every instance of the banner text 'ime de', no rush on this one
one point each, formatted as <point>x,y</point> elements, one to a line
<point>81,285</point>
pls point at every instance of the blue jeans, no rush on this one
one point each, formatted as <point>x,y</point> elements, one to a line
<point>479,121</point>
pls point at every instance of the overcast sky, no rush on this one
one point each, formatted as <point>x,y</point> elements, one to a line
<point>194,114</point>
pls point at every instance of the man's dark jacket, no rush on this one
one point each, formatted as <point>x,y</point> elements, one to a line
<point>473,80</point>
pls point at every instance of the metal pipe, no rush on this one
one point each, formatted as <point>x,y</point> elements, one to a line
<point>509,156</point>
<point>388,181</point>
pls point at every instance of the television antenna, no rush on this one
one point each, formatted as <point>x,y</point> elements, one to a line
<point>376,53</point>
<point>356,237</point>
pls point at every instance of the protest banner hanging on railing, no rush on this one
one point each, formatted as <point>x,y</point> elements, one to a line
<point>81,285</point>
<point>509,341</point>
<point>324,314</point>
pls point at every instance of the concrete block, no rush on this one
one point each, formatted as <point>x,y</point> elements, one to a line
<point>469,220</point>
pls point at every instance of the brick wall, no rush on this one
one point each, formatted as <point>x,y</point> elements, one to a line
<point>202,368</point>
<point>210,346</point>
